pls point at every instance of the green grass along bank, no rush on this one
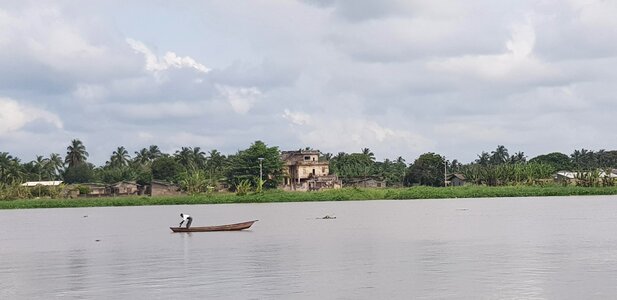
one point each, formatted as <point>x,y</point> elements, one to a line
<point>327,195</point>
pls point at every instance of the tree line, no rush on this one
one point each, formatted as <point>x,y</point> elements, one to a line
<point>197,170</point>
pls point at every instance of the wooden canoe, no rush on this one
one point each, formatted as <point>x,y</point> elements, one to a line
<point>228,227</point>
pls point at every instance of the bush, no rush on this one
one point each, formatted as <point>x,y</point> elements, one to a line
<point>83,190</point>
<point>243,188</point>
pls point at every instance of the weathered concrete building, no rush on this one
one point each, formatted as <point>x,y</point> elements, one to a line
<point>123,188</point>
<point>304,172</point>
<point>366,183</point>
<point>456,179</point>
<point>162,188</point>
<point>95,189</point>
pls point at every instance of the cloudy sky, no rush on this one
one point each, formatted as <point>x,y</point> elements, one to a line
<point>401,77</point>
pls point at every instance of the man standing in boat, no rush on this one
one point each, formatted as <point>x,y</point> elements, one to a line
<point>186,218</point>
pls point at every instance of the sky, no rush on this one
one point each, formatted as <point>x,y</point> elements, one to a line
<point>400,77</point>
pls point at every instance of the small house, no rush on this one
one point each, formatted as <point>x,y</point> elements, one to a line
<point>123,188</point>
<point>162,188</point>
<point>367,183</point>
<point>455,179</point>
<point>95,189</point>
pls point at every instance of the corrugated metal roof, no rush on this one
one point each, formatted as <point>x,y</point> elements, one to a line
<point>45,183</point>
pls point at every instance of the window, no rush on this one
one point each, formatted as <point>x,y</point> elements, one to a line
<point>307,158</point>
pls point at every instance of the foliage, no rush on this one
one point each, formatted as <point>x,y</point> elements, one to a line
<point>260,186</point>
<point>243,187</point>
<point>14,190</point>
<point>166,168</point>
<point>193,181</point>
<point>428,169</point>
<point>556,160</point>
<point>508,174</point>
<point>119,158</point>
<point>76,153</point>
<point>79,173</point>
<point>421,192</point>
<point>352,166</point>
<point>83,190</point>
<point>10,168</point>
<point>392,171</point>
<point>245,165</point>
<point>115,174</point>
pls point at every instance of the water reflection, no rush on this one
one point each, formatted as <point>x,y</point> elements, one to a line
<point>533,248</point>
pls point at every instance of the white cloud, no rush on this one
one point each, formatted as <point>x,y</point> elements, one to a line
<point>14,116</point>
<point>298,118</point>
<point>90,93</point>
<point>169,60</point>
<point>241,99</point>
<point>351,133</point>
<point>517,63</point>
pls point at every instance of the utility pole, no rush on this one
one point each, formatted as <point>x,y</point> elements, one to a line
<point>261,159</point>
<point>445,171</point>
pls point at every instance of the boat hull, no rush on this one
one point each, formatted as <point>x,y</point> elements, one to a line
<point>228,227</point>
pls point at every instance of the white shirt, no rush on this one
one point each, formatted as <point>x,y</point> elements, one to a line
<point>185,217</point>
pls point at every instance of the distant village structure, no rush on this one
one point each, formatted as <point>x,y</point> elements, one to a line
<point>455,179</point>
<point>304,172</point>
<point>122,188</point>
<point>162,188</point>
<point>366,183</point>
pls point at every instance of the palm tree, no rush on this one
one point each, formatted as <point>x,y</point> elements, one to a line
<point>142,156</point>
<point>10,168</point>
<point>367,152</point>
<point>120,157</point>
<point>483,159</point>
<point>75,153</point>
<point>198,157</point>
<point>154,152</point>
<point>500,155</point>
<point>42,167</point>
<point>55,163</point>
<point>184,156</point>
<point>518,157</point>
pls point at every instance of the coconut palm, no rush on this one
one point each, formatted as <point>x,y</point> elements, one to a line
<point>184,156</point>
<point>517,158</point>
<point>198,157</point>
<point>43,167</point>
<point>154,152</point>
<point>500,155</point>
<point>120,157</point>
<point>367,152</point>
<point>75,153</point>
<point>142,156</point>
<point>10,169</point>
<point>483,159</point>
<point>56,163</point>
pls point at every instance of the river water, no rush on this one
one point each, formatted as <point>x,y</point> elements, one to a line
<point>507,248</point>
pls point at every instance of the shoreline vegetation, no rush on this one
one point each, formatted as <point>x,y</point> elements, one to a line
<point>346,194</point>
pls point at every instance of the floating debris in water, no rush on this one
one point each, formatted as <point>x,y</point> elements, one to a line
<point>327,217</point>
<point>97,240</point>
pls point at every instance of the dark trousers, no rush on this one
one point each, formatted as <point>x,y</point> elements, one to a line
<point>189,220</point>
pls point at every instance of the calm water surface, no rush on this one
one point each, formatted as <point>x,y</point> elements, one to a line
<point>514,248</point>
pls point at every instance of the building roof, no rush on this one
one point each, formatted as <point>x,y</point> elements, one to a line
<point>457,175</point>
<point>573,175</point>
<point>44,183</point>
<point>165,183</point>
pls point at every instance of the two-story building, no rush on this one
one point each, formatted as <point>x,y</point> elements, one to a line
<point>304,172</point>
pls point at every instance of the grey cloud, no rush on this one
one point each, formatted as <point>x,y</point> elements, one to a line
<point>399,77</point>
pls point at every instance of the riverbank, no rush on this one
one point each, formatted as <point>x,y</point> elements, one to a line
<point>329,195</point>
